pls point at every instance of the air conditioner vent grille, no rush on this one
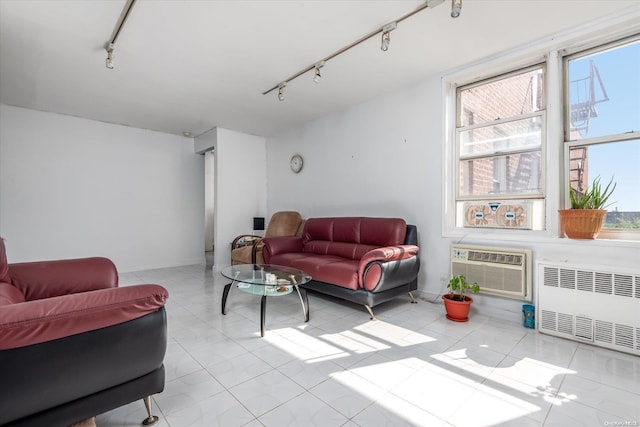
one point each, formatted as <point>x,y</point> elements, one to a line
<point>505,272</point>
<point>495,258</point>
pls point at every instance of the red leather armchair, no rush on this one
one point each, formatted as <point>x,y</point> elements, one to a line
<point>73,344</point>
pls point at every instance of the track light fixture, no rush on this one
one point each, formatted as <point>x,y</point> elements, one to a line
<point>317,76</point>
<point>386,39</point>
<point>456,7</point>
<point>109,60</point>
<point>116,32</point>
<point>386,36</point>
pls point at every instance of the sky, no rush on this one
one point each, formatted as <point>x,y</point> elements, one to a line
<point>619,70</point>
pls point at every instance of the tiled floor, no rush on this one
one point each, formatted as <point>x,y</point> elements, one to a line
<point>411,367</point>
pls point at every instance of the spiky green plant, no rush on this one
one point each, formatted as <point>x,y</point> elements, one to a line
<point>594,197</point>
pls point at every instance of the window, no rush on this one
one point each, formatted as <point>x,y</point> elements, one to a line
<point>499,137</point>
<point>602,127</point>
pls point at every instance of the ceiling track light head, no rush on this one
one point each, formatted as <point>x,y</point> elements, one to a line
<point>109,60</point>
<point>386,36</point>
<point>456,8</point>
<point>317,76</point>
<point>386,39</point>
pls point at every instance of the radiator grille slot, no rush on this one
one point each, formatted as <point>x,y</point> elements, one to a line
<point>624,335</point>
<point>567,279</point>
<point>584,328</point>
<point>604,331</point>
<point>565,323</point>
<point>550,277</point>
<point>548,320</point>
<point>604,283</point>
<point>623,285</point>
<point>596,305</point>
<point>585,281</point>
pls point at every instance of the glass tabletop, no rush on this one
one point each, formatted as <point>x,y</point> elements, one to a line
<point>265,275</point>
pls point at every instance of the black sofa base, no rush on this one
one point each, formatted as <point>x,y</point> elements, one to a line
<point>60,382</point>
<point>361,296</point>
<point>90,406</point>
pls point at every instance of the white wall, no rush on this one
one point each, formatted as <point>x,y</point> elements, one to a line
<point>71,187</point>
<point>240,187</point>
<point>385,158</point>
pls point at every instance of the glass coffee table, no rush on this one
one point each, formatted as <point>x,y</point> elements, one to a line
<point>266,280</point>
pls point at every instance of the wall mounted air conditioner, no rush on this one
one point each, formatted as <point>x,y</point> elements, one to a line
<point>505,272</point>
<point>597,305</point>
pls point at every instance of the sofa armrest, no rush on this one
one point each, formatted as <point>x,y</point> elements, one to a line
<point>245,240</point>
<point>372,271</point>
<point>280,245</point>
<point>42,320</point>
<point>46,279</point>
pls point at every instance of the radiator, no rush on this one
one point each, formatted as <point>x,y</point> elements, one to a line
<point>499,271</point>
<point>599,305</point>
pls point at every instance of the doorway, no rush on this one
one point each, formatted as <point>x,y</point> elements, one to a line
<point>209,204</point>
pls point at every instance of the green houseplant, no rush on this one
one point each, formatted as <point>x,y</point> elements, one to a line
<point>456,303</point>
<point>588,208</point>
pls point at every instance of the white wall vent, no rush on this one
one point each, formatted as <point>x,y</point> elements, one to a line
<point>499,271</point>
<point>594,305</point>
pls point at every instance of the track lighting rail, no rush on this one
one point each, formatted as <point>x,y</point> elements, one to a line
<point>426,4</point>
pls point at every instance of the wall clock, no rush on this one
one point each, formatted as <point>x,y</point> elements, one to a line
<point>296,163</point>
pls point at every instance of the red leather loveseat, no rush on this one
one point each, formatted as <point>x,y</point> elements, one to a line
<point>73,344</point>
<point>363,260</point>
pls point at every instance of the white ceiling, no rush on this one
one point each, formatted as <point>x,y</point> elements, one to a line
<point>193,65</point>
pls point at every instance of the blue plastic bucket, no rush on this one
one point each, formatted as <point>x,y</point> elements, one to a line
<point>529,312</point>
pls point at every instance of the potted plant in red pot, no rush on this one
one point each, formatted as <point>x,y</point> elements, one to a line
<point>456,303</point>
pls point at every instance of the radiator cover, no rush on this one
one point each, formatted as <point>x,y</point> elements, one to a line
<point>600,306</point>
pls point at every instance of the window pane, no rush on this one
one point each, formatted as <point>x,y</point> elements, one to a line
<point>501,175</point>
<point>501,99</point>
<point>619,160</point>
<point>508,136</point>
<point>604,92</point>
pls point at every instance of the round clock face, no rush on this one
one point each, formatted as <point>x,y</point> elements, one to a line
<point>296,163</point>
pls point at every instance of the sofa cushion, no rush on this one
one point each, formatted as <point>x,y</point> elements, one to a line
<point>9,294</point>
<point>368,231</point>
<point>327,268</point>
<point>352,251</point>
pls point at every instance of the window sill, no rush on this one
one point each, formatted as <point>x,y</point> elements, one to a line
<point>466,235</point>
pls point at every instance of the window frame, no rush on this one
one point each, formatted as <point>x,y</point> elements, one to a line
<point>567,55</point>
<point>550,51</point>
<point>538,63</point>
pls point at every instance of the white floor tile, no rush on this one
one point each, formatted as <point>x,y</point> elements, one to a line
<point>411,367</point>
<point>304,410</point>
<point>266,392</point>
